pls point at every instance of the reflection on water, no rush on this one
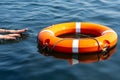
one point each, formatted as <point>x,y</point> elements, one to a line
<point>80,58</point>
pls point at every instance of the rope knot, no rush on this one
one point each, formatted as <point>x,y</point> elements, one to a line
<point>106,45</point>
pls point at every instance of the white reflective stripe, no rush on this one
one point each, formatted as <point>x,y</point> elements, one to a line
<point>75,61</point>
<point>78,26</point>
<point>75,45</point>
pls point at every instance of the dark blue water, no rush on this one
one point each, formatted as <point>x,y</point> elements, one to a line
<point>20,60</point>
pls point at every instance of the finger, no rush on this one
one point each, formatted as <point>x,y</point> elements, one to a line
<point>20,31</point>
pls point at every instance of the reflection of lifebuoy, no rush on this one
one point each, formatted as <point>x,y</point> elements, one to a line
<point>81,58</point>
<point>106,37</point>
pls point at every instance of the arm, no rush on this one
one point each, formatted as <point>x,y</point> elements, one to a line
<point>15,33</point>
<point>2,30</point>
<point>9,36</point>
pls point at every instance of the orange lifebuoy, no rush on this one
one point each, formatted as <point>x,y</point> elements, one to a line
<point>106,37</point>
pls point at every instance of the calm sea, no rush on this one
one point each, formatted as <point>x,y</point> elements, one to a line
<point>21,60</point>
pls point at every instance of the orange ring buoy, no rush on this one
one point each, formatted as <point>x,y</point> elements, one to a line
<point>105,37</point>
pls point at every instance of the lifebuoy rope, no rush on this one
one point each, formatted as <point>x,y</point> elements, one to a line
<point>103,50</point>
<point>76,41</point>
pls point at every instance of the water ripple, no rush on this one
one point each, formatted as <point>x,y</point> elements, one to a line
<point>23,59</point>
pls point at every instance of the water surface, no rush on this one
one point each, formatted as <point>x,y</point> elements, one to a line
<point>20,60</point>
